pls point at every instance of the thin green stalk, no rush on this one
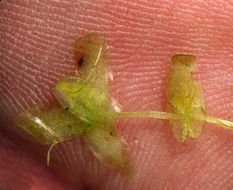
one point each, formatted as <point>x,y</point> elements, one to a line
<point>164,115</point>
<point>223,123</point>
<point>48,153</point>
<point>151,114</point>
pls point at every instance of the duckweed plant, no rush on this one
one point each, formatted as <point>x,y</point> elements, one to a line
<point>87,109</point>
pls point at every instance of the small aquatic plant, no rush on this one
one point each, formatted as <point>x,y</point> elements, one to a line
<point>88,110</point>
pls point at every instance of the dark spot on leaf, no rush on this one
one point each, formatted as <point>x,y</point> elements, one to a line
<point>81,62</point>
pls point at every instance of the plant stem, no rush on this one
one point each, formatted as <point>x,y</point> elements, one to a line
<point>151,114</point>
<point>223,123</point>
<point>164,115</point>
<point>48,153</point>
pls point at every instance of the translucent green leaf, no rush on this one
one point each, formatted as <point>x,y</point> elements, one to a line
<point>94,70</point>
<point>89,104</point>
<point>111,150</point>
<point>185,98</point>
<point>50,124</point>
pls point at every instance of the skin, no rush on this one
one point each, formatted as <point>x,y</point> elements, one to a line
<point>37,48</point>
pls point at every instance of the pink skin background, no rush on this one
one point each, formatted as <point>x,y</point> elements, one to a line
<point>37,48</point>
